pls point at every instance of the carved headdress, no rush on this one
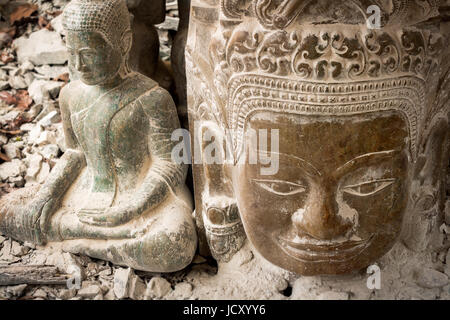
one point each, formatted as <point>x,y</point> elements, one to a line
<point>326,70</point>
<point>110,18</point>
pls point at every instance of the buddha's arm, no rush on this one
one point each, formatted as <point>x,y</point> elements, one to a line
<point>163,174</point>
<point>65,171</point>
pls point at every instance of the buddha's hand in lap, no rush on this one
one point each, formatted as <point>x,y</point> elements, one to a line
<point>109,217</point>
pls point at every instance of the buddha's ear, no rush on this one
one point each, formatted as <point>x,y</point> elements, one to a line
<point>126,42</point>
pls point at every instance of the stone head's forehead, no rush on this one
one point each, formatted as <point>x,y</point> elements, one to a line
<point>90,39</point>
<point>332,142</point>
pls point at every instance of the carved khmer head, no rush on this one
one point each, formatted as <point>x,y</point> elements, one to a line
<point>99,39</point>
<point>362,123</point>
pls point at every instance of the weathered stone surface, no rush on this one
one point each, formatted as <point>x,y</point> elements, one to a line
<point>12,150</point>
<point>430,278</point>
<point>306,145</point>
<point>90,291</point>
<point>41,90</point>
<point>122,278</point>
<point>158,287</point>
<point>42,47</point>
<point>11,169</point>
<point>115,122</point>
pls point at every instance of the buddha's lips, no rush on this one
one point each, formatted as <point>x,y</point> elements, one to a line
<point>329,252</point>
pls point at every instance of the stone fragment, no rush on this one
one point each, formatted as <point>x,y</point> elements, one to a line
<point>42,90</point>
<point>12,150</point>
<point>34,166</point>
<point>182,290</point>
<point>42,47</point>
<point>430,278</point>
<point>26,66</point>
<point>3,139</point>
<point>170,23</point>
<point>50,151</point>
<point>4,85</point>
<point>89,292</point>
<point>16,291</point>
<point>18,82</point>
<point>34,134</point>
<point>122,279</point>
<point>46,137</point>
<point>158,287</point>
<point>57,25</point>
<point>19,181</point>
<point>11,169</point>
<point>67,294</point>
<point>49,119</point>
<point>137,288</point>
<point>109,295</point>
<point>18,250</point>
<point>39,293</point>
<point>332,295</point>
<point>10,116</point>
<point>27,127</point>
<point>2,239</point>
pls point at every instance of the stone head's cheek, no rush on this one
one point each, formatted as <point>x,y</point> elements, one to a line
<point>262,209</point>
<point>379,213</point>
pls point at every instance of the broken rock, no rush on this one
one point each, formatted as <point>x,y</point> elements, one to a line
<point>122,279</point>
<point>158,287</point>
<point>430,278</point>
<point>14,168</point>
<point>42,47</point>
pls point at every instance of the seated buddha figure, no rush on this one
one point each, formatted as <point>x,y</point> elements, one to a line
<point>115,194</point>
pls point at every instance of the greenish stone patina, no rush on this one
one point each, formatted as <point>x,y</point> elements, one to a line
<point>116,194</point>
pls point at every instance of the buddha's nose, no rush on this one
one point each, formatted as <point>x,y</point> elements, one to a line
<point>320,218</point>
<point>79,63</point>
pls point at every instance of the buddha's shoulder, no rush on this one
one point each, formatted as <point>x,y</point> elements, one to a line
<point>153,95</point>
<point>71,91</point>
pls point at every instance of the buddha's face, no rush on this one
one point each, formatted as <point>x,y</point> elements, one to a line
<point>95,61</point>
<point>337,202</point>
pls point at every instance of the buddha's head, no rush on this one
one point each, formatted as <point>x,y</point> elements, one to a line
<point>99,39</point>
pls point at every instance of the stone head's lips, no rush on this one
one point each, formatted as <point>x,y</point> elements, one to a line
<point>323,251</point>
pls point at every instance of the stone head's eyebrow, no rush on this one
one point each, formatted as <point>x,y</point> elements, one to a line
<point>366,159</point>
<point>302,162</point>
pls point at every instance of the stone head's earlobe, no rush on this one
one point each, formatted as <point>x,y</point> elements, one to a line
<point>126,42</point>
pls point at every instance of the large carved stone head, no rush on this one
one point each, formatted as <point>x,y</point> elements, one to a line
<point>361,122</point>
<point>99,39</point>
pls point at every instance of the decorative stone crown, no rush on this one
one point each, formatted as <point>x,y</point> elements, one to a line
<point>107,17</point>
<point>321,71</point>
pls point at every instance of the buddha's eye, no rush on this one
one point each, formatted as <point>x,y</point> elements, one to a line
<point>280,187</point>
<point>88,54</point>
<point>368,188</point>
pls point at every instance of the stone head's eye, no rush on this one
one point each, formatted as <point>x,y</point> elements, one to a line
<point>368,188</point>
<point>280,187</point>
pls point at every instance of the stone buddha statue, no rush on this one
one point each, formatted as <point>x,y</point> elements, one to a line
<point>334,132</point>
<point>116,194</point>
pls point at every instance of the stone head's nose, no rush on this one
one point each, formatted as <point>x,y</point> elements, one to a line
<point>320,218</point>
